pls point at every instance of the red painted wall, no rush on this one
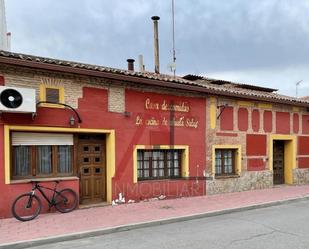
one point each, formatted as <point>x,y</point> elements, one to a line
<point>227,118</point>
<point>243,119</point>
<point>256,120</point>
<point>93,109</point>
<point>2,80</point>
<point>282,123</point>
<point>303,162</point>
<point>305,123</point>
<point>268,121</point>
<point>303,145</point>
<point>295,123</point>
<point>255,164</point>
<point>256,145</point>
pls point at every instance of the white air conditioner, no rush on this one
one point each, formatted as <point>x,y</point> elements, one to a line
<point>16,99</point>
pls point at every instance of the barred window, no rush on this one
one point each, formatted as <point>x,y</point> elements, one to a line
<point>225,162</point>
<point>158,164</point>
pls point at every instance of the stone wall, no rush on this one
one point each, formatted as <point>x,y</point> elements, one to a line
<point>301,176</point>
<point>246,181</point>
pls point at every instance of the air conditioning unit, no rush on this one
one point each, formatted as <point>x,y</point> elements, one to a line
<point>16,99</point>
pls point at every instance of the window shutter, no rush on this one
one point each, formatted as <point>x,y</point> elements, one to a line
<point>31,138</point>
<point>52,95</point>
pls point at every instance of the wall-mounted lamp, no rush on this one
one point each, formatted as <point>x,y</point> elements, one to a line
<point>72,120</point>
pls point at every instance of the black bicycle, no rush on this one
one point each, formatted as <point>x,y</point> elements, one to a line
<point>28,206</point>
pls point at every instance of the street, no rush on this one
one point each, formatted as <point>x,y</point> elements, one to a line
<point>278,227</point>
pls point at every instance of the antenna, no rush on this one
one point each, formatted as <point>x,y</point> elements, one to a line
<point>296,85</point>
<point>172,65</point>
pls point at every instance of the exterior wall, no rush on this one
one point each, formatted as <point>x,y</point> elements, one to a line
<point>115,106</point>
<point>247,181</point>
<point>254,126</point>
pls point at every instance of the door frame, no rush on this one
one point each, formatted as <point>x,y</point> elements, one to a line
<point>110,149</point>
<point>289,155</point>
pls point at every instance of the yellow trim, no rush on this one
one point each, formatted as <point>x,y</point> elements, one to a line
<point>110,164</point>
<point>43,95</point>
<point>7,156</point>
<point>184,159</point>
<point>110,149</point>
<point>213,110</point>
<point>227,146</point>
<point>295,109</point>
<point>289,155</point>
<point>245,103</point>
<point>265,106</point>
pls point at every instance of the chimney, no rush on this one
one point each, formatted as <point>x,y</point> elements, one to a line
<point>156,43</point>
<point>130,64</point>
<point>8,41</point>
<point>141,63</point>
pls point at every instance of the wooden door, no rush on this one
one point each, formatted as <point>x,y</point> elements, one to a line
<point>91,160</point>
<point>278,162</point>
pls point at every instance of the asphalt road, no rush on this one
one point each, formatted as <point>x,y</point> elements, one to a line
<point>279,227</point>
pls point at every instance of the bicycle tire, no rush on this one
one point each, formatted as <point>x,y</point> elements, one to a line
<point>23,213</point>
<point>66,200</point>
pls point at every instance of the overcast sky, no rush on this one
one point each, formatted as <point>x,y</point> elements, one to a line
<point>262,42</point>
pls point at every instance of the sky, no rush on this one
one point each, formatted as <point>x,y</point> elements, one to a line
<point>260,42</point>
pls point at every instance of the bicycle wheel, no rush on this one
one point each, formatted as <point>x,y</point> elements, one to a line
<point>26,207</point>
<point>66,200</point>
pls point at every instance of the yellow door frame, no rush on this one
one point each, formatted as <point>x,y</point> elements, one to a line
<point>110,149</point>
<point>289,155</point>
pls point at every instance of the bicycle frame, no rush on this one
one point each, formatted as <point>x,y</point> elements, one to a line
<point>40,188</point>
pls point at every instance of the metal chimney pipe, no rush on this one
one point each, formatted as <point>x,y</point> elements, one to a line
<point>130,64</point>
<point>141,63</point>
<point>156,43</point>
<point>8,41</point>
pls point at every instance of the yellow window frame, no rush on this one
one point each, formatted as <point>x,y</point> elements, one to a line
<point>43,95</point>
<point>236,147</point>
<point>184,157</point>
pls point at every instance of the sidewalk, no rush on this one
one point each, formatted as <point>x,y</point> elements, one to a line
<point>89,222</point>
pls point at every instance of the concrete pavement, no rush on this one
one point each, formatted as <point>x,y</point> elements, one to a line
<point>276,227</point>
<point>53,227</point>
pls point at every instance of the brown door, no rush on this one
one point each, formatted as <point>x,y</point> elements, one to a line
<point>92,168</point>
<point>278,162</point>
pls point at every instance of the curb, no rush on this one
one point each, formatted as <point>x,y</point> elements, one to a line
<point>98,232</point>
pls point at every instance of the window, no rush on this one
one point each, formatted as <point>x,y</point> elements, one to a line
<point>42,161</point>
<point>225,162</point>
<point>41,155</point>
<point>53,94</point>
<point>158,164</point>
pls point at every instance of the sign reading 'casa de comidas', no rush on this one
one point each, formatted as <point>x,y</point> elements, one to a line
<point>166,113</point>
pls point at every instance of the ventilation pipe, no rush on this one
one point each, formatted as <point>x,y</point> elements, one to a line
<point>8,41</point>
<point>141,63</point>
<point>156,43</point>
<point>130,64</point>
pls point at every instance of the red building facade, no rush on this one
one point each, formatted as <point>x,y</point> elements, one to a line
<point>145,135</point>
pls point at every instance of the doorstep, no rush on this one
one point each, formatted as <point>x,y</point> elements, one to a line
<point>93,205</point>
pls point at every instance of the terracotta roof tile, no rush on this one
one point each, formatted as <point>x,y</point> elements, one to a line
<point>215,86</point>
